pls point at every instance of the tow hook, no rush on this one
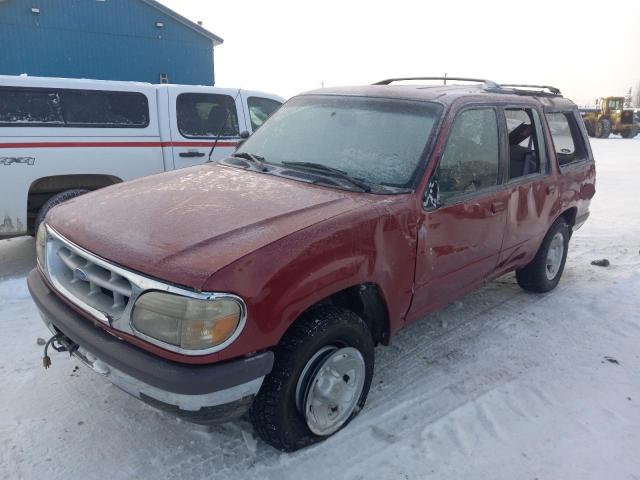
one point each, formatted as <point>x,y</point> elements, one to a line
<point>59,343</point>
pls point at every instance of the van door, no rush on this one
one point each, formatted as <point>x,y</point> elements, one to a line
<point>197,117</point>
<point>258,107</point>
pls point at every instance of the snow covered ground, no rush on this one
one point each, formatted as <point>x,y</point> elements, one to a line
<point>500,385</point>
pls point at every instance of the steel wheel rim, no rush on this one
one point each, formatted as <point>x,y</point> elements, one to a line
<point>554,256</point>
<point>330,387</point>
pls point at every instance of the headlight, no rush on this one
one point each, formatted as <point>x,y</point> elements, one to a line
<point>188,323</point>
<point>41,244</point>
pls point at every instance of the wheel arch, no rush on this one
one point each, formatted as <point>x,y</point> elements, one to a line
<point>365,300</point>
<point>44,188</point>
<point>569,216</point>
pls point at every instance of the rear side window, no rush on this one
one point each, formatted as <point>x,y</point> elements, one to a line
<point>204,115</point>
<point>567,137</point>
<point>527,154</point>
<point>21,107</point>
<point>105,109</point>
<point>260,109</point>
<point>471,158</point>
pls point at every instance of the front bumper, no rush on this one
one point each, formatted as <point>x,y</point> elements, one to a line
<point>200,393</point>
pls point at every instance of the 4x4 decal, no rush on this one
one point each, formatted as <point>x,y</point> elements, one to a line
<point>10,160</point>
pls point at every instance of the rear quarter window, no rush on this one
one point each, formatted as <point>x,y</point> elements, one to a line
<point>23,107</point>
<point>568,141</point>
<point>105,109</point>
<point>41,107</point>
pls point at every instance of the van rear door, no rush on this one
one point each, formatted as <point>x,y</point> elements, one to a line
<point>197,116</point>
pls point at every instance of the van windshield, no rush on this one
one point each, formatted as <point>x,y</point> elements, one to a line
<point>380,141</point>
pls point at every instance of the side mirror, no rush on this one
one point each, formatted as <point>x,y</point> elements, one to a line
<point>431,200</point>
<point>243,137</point>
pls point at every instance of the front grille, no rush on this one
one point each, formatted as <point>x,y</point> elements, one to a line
<point>108,292</point>
<point>86,283</point>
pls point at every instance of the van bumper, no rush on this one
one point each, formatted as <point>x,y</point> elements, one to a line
<point>205,394</point>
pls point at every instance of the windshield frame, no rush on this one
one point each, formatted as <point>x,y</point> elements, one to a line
<point>420,166</point>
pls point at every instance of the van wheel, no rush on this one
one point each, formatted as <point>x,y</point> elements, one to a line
<point>543,273</point>
<point>603,128</point>
<point>319,382</point>
<point>56,200</point>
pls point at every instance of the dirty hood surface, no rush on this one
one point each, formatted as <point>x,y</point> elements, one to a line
<point>183,226</point>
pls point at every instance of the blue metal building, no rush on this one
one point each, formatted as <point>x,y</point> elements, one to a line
<point>139,40</point>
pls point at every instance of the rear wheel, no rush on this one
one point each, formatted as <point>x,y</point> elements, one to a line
<point>319,382</point>
<point>57,199</point>
<point>543,273</point>
<point>630,133</point>
<point>589,127</point>
<point>603,128</point>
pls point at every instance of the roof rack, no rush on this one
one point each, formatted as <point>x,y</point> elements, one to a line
<point>489,84</point>
<point>553,90</point>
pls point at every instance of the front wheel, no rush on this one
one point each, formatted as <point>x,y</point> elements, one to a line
<point>603,128</point>
<point>630,133</point>
<point>543,273</point>
<point>320,379</point>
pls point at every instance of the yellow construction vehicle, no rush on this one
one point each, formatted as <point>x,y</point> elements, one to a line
<point>609,116</point>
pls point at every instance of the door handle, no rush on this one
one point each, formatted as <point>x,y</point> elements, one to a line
<point>192,154</point>
<point>551,189</point>
<point>497,207</point>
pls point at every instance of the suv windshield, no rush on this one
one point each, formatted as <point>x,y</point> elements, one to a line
<point>380,141</point>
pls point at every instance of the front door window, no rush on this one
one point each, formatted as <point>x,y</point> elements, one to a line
<point>471,158</point>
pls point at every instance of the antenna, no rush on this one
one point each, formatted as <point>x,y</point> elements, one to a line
<point>224,124</point>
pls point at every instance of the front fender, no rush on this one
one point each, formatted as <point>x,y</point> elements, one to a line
<point>372,244</point>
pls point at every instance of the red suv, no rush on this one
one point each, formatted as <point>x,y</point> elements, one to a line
<point>262,282</point>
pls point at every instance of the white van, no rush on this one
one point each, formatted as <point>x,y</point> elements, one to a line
<point>61,137</point>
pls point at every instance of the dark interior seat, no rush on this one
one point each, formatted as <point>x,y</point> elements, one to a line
<point>218,116</point>
<point>522,160</point>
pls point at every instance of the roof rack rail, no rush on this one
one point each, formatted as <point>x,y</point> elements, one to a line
<point>553,90</point>
<point>489,84</point>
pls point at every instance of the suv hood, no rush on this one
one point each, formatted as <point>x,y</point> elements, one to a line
<point>185,225</point>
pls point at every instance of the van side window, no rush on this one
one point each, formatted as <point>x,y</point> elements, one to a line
<point>89,108</point>
<point>526,142</point>
<point>260,109</point>
<point>471,158</point>
<point>567,137</point>
<point>26,107</point>
<point>206,115</point>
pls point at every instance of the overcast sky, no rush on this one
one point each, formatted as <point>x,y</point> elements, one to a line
<point>588,48</point>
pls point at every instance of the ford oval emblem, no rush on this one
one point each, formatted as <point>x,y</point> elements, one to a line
<point>81,275</point>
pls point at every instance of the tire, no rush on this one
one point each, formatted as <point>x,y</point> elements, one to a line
<point>537,276</point>
<point>630,133</point>
<point>57,199</point>
<point>278,410</point>
<point>603,128</point>
<point>589,128</point>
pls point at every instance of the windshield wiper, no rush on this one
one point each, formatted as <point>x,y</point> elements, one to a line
<point>257,160</point>
<point>318,167</point>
